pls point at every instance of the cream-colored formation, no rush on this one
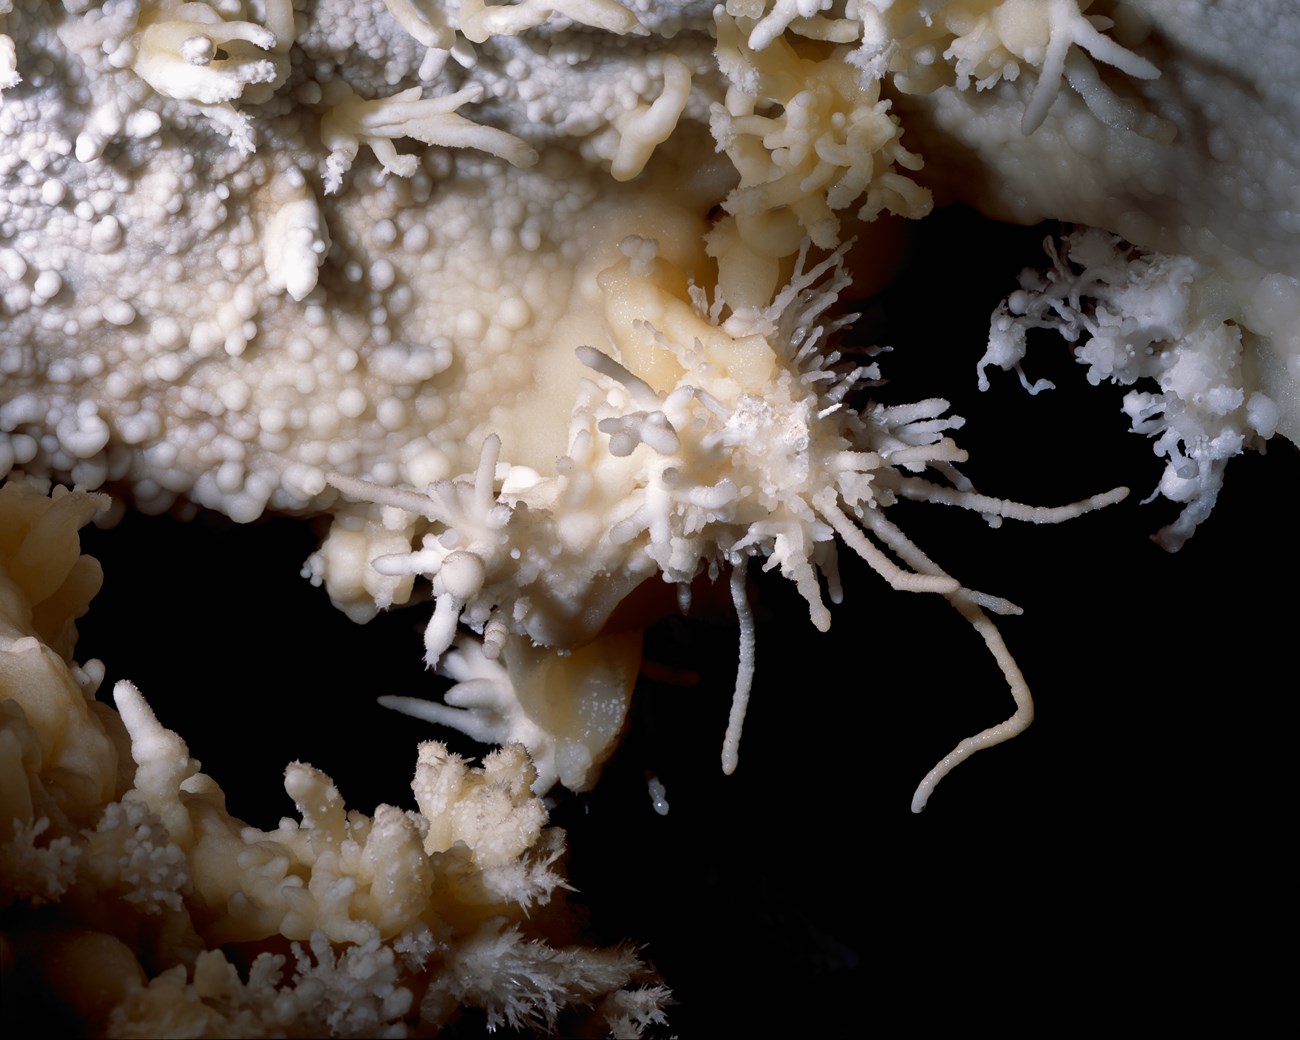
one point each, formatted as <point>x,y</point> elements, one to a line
<point>536,301</point>
<point>391,921</point>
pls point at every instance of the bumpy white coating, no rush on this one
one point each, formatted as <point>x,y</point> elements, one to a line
<point>213,293</point>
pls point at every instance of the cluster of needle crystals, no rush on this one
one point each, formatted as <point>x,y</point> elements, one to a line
<point>533,304</point>
<point>361,324</point>
<point>706,442</point>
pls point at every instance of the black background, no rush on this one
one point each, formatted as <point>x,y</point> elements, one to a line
<point>1136,816</point>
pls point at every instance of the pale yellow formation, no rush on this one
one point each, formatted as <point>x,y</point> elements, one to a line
<point>191,52</point>
<point>810,137</point>
<point>446,352</point>
<point>480,19</point>
<point>8,55</point>
<point>352,121</point>
<point>582,341</point>
<point>58,758</point>
<point>408,915</point>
